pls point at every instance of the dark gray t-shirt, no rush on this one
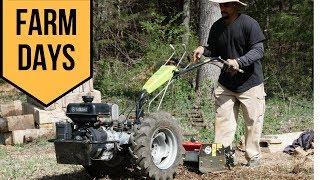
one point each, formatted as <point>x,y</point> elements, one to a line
<point>235,41</point>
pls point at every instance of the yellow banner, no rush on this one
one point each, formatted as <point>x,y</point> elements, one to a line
<point>46,46</point>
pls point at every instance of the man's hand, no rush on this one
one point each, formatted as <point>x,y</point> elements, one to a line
<point>197,54</point>
<point>234,66</point>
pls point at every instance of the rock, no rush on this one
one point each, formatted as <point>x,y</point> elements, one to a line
<point>58,103</point>
<point>17,136</point>
<point>6,138</point>
<point>32,101</point>
<point>42,117</point>
<point>47,126</point>
<point>45,117</point>
<point>90,82</point>
<point>271,139</point>
<point>72,98</point>
<point>20,122</point>
<point>97,96</point>
<point>32,134</point>
<point>78,89</point>
<point>86,86</point>
<point>3,125</point>
<point>28,108</point>
<point>28,135</point>
<point>77,97</point>
<point>11,109</point>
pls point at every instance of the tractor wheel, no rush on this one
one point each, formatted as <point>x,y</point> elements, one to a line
<point>157,146</point>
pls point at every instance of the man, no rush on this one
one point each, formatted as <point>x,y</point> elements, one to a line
<point>239,39</point>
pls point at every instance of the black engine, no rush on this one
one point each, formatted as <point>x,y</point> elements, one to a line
<point>87,113</point>
<point>93,134</point>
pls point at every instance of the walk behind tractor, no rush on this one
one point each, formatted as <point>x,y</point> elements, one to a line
<point>106,143</point>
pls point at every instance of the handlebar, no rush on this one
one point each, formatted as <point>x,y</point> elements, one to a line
<point>207,60</point>
<point>226,63</point>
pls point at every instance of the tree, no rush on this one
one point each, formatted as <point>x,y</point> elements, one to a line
<point>186,21</point>
<point>208,74</point>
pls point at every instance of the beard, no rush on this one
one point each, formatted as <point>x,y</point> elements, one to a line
<point>224,15</point>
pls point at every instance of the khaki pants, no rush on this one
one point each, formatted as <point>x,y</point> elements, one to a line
<point>252,103</point>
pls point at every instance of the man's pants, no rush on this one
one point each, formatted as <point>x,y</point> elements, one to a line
<point>252,103</point>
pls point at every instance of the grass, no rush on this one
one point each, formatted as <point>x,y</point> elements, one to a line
<point>3,153</point>
<point>37,161</point>
<point>7,94</point>
<point>34,160</point>
<point>283,116</point>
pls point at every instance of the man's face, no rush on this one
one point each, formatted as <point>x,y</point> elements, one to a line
<point>228,9</point>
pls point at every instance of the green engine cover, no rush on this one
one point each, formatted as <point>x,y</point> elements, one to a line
<point>164,74</point>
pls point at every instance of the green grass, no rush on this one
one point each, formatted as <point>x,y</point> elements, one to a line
<point>284,116</point>
<point>3,153</point>
<point>9,96</point>
<point>29,161</point>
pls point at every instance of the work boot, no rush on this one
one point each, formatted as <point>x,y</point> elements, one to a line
<point>230,157</point>
<point>253,162</point>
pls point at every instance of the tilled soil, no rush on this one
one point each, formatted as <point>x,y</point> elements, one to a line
<point>37,161</point>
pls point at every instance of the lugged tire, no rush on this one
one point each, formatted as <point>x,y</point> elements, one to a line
<point>141,146</point>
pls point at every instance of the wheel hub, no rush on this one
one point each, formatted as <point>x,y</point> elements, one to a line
<point>163,148</point>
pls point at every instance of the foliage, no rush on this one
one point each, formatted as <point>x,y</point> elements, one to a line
<point>288,62</point>
<point>157,34</point>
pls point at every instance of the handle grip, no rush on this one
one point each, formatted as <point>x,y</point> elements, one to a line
<point>224,62</point>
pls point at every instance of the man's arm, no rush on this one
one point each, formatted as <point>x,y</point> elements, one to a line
<point>255,39</point>
<point>256,52</point>
<point>202,50</point>
<point>205,50</point>
<point>208,51</point>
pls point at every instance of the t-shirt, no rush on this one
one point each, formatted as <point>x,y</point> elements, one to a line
<point>235,41</point>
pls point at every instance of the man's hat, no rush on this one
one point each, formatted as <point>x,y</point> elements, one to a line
<point>225,1</point>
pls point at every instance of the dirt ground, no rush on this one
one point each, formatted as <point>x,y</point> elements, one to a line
<point>37,161</point>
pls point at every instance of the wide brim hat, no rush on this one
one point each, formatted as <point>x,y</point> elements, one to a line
<point>225,1</point>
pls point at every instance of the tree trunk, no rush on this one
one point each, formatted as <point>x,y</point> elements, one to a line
<point>207,75</point>
<point>186,21</point>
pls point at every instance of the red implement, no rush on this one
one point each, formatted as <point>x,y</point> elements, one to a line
<point>192,146</point>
